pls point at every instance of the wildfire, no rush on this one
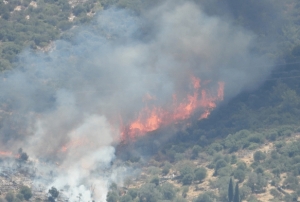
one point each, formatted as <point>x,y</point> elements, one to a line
<point>202,98</point>
<point>8,154</point>
<point>73,144</point>
<point>151,118</point>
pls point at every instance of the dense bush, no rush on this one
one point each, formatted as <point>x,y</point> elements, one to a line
<point>26,192</point>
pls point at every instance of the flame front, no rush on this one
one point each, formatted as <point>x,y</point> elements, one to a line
<point>6,154</point>
<point>73,144</point>
<point>151,118</point>
<point>203,98</point>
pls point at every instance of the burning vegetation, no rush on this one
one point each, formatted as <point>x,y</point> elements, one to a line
<point>151,118</point>
<point>119,78</point>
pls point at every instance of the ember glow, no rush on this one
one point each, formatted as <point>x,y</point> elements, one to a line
<point>74,144</point>
<point>151,118</point>
<point>6,154</point>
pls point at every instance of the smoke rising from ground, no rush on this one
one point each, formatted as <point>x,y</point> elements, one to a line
<point>66,104</point>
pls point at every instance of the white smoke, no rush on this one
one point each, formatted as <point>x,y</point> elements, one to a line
<point>66,102</point>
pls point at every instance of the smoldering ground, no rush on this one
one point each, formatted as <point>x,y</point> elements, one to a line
<point>65,105</point>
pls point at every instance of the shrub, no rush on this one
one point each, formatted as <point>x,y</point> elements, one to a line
<point>188,178</point>
<point>233,159</point>
<point>10,197</point>
<point>195,151</point>
<point>259,169</point>
<point>54,192</point>
<point>220,164</point>
<point>259,155</point>
<point>253,146</point>
<point>185,191</point>
<point>205,197</point>
<point>272,135</point>
<point>200,173</point>
<point>239,175</point>
<point>126,198</point>
<point>26,191</point>
<point>166,168</point>
<point>256,138</point>
<point>245,192</point>
<point>133,193</point>
<point>155,180</point>
<point>20,196</point>
<point>148,192</point>
<point>168,191</point>
<point>153,170</point>
<point>216,146</point>
<point>242,165</point>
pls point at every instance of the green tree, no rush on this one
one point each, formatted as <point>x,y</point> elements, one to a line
<point>220,164</point>
<point>168,191</point>
<point>188,178</point>
<point>10,197</point>
<point>20,196</point>
<point>149,193</point>
<point>259,156</point>
<point>200,174</point>
<point>112,196</point>
<point>53,194</point>
<point>195,151</point>
<point>233,159</point>
<point>126,198</point>
<point>205,197</point>
<point>216,146</point>
<point>239,174</point>
<point>256,182</point>
<point>230,190</point>
<point>259,169</point>
<point>180,199</point>
<point>26,191</point>
<point>236,193</point>
<point>133,193</point>
<point>185,191</point>
<point>17,200</point>
<point>166,168</point>
<point>245,191</point>
<point>186,169</point>
<point>241,165</point>
<point>23,156</point>
<point>155,180</point>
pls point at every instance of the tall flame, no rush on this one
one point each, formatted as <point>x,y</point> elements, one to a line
<point>150,119</point>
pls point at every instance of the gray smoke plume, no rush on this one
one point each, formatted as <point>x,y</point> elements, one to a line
<point>64,106</point>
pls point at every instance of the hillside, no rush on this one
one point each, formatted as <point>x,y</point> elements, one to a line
<point>265,167</point>
<point>35,24</point>
<point>78,74</point>
<point>253,139</point>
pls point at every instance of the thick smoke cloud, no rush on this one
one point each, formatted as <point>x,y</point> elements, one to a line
<point>65,105</point>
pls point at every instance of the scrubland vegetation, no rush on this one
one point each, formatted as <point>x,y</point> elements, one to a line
<point>253,139</point>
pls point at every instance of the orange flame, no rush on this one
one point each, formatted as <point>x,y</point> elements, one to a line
<point>8,154</point>
<point>150,119</point>
<point>73,144</point>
